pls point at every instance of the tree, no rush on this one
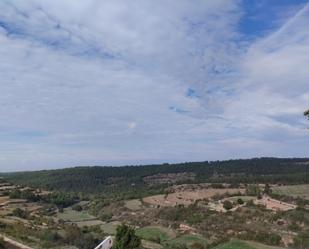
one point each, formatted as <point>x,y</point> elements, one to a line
<point>240,201</point>
<point>2,243</point>
<point>267,189</point>
<point>77,208</point>
<point>302,240</point>
<point>306,113</point>
<point>227,205</point>
<point>125,238</point>
<point>20,213</point>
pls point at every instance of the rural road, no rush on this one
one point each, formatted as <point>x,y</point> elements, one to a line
<point>14,243</point>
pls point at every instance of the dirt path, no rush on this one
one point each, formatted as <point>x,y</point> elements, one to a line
<point>14,242</point>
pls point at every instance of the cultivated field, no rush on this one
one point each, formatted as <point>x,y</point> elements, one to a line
<point>189,240</point>
<point>293,190</point>
<point>235,244</point>
<point>133,204</point>
<point>275,205</point>
<point>70,215</point>
<point>189,197</point>
<point>89,223</point>
<point>155,233</point>
<point>4,199</point>
<point>110,227</point>
<point>257,245</point>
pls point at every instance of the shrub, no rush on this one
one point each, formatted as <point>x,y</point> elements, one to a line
<point>125,238</point>
<point>302,240</point>
<point>105,217</point>
<point>77,208</point>
<point>2,243</point>
<point>20,213</point>
<point>240,201</point>
<point>50,236</point>
<point>227,205</point>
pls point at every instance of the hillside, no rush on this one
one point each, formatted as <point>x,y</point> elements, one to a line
<point>150,177</point>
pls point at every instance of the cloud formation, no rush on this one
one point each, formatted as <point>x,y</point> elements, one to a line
<point>122,82</point>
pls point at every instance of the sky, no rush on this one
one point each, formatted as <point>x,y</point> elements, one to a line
<point>118,82</point>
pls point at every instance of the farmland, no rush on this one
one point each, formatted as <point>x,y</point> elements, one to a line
<point>189,197</point>
<point>166,213</point>
<point>74,216</point>
<point>301,191</point>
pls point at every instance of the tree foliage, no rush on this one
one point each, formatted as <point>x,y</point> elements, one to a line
<point>227,205</point>
<point>126,238</point>
<point>2,243</point>
<point>128,181</point>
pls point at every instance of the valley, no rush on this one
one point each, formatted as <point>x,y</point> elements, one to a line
<point>221,213</point>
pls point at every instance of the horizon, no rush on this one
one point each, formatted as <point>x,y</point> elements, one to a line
<point>154,164</point>
<point>151,82</point>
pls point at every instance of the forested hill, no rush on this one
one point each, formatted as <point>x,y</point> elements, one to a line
<point>96,179</point>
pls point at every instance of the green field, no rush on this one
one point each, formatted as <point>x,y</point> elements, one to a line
<point>110,227</point>
<point>73,216</point>
<point>235,244</point>
<point>189,239</point>
<point>293,190</point>
<point>155,234</point>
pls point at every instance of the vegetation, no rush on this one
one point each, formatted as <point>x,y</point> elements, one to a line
<point>91,202</point>
<point>2,243</point>
<point>227,205</point>
<point>302,240</point>
<point>235,245</point>
<point>125,238</point>
<point>129,180</point>
<point>153,234</point>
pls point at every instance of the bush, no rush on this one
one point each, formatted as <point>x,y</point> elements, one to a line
<point>227,205</point>
<point>2,243</point>
<point>240,201</point>
<point>294,227</point>
<point>75,236</point>
<point>77,208</point>
<point>105,217</point>
<point>268,238</point>
<point>250,203</point>
<point>50,236</point>
<point>20,213</point>
<point>125,238</point>
<point>302,240</point>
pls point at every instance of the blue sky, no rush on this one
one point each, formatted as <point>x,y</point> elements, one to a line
<point>137,82</point>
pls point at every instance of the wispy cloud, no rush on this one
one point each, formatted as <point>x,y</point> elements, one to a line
<point>119,82</point>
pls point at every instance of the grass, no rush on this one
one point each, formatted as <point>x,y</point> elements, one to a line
<point>244,198</point>
<point>188,240</point>
<point>110,227</point>
<point>235,244</point>
<point>154,234</point>
<point>293,190</point>
<point>74,216</point>
<point>151,245</point>
<point>89,223</point>
<point>262,246</point>
<point>133,204</point>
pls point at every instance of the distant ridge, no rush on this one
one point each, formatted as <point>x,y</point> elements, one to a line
<point>96,179</point>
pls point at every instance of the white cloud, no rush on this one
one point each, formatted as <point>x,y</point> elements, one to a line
<point>106,82</point>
